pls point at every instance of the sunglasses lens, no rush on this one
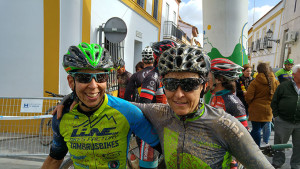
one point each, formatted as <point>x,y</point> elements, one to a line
<point>190,84</point>
<point>171,84</point>
<point>187,85</point>
<point>83,78</point>
<point>101,78</point>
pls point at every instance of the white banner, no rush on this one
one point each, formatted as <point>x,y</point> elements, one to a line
<point>32,105</point>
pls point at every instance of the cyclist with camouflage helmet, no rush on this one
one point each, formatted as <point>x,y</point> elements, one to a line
<point>123,76</point>
<point>193,134</point>
<point>96,131</point>
<point>285,73</point>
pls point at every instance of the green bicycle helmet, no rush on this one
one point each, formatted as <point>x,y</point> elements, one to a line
<point>184,59</point>
<point>87,56</point>
<point>289,61</point>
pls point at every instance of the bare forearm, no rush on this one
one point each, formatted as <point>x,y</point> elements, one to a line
<point>51,163</point>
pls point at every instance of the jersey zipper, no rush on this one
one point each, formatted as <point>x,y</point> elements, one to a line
<point>92,142</point>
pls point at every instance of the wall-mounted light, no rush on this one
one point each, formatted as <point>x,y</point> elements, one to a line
<point>269,35</point>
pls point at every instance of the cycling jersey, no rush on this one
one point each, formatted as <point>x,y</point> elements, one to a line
<point>152,89</point>
<point>230,103</point>
<point>123,81</point>
<point>207,140</point>
<point>284,75</point>
<point>101,140</point>
<point>135,82</point>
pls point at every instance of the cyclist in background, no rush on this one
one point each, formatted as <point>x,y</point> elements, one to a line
<point>136,79</point>
<point>97,130</point>
<point>123,77</point>
<point>139,66</point>
<point>152,92</point>
<point>222,84</point>
<point>285,73</point>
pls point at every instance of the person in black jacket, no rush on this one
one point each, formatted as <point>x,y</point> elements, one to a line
<point>242,84</point>
<point>286,110</point>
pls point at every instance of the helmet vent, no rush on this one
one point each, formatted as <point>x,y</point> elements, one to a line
<point>170,66</point>
<point>178,61</point>
<point>96,47</point>
<point>198,52</point>
<point>180,51</point>
<point>173,51</point>
<point>97,54</point>
<point>199,59</point>
<point>84,45</point>
<point>189,65</point>
<point>170,59</point>
<point>189,57</point>
<point>88,53</point>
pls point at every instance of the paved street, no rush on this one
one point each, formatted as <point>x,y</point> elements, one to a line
<point>35,162</point>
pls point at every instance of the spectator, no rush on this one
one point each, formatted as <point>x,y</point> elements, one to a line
<point>139,66</point>
<point>286,110</point>
<point>285,73</point>
<point>243,83</point>
<point>123,77</point>
<point>133,89</point>
<point>258,97</point>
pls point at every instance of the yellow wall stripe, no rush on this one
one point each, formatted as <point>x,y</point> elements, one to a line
<point>51,45</point>
<point>86,20</point>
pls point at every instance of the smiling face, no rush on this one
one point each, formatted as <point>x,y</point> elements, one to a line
<point>288,67</point>
<point>91,94</point>
<point>247,72</point>
<point>181,102</point>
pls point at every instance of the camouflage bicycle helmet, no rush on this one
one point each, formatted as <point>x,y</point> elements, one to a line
<point>226,68</point>
<point>289,61</point>
<point>119,63</point>
<point>87,56</point>
<point>147,55</point>
<point>160,47</point>
<point>184,59</point>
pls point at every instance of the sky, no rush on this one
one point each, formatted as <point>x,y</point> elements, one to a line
<point>190,11</point>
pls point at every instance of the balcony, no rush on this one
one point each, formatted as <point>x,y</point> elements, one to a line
<point>172,32</point>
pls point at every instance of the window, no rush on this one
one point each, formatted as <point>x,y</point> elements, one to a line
<point>155,10</point>
<point>167,12</point>
<point>141,3</point>
<point>174,17</point>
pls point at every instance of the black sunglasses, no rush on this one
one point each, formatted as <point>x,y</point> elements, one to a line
<point>87,77</point>
<point>187,85</point>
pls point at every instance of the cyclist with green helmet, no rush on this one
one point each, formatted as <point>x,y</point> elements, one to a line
<point>96,131</point>
<point>285,73</point>
<point>193,134</point>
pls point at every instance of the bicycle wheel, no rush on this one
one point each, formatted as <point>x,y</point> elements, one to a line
<point>67,164</point>
<point>45,132</point>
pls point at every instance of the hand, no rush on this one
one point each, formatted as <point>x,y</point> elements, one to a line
<point>67,100</point>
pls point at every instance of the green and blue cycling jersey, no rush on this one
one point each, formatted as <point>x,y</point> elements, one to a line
<point>102,139</point>
<point>284,75</point>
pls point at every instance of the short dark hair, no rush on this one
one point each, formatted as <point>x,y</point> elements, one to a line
<point>139,65</point>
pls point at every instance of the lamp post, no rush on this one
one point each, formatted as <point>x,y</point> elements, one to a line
<point>269,35</point>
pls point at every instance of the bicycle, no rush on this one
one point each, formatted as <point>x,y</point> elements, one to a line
<point>269,151</point>
<point>46,124</point>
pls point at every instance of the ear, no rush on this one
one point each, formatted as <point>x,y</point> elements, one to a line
<point>70,82</point>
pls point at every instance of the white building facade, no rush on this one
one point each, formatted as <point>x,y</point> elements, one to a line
<point>36,34</point>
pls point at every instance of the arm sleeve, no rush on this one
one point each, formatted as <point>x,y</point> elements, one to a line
<point>275,101</point>
<point>250,93</point>
<point>59,147</point>
<point>130,88</point>
<point>142,127</point>
<point>240,143</point>
<point>238,111</point>
<point>278,73</point>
